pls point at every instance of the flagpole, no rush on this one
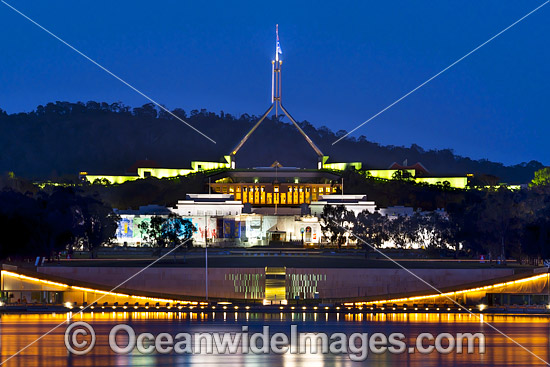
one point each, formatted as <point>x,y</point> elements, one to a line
<point>276,66</point>
<point>277,43</point>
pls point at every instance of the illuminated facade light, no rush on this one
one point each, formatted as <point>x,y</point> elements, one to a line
<point>88,290</point>
<point>454,293</point>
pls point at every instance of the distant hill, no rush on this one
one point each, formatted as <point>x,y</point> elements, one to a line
<point>63,138</point>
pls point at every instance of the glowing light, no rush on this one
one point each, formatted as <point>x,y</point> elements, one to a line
<point>24,277</point>
<point>89,290</point>
<point>448,294</point>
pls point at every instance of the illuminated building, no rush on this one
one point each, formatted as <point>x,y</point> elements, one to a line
<point>418,168</point>
<point>275,192</point>
<point>145,172</point>
<point>419,174</point>
<point>274,186</point>
<point>220,218</point>
<point>354,203</point>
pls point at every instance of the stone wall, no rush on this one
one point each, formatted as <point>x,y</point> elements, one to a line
<point>249,283</point>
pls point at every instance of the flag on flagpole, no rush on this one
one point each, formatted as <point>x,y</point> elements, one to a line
<point>279,51</point>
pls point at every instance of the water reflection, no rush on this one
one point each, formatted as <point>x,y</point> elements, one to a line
<point>16,331</point>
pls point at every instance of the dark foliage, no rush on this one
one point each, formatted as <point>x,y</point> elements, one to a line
<point>43,224</point>
<point>63,138</point>
<point>497,223</point>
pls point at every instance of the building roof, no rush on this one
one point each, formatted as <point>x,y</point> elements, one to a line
<point>339,199</point>
<point>418,167</point>
<point>268,174</point>
<point>198,199</point>
<point>208,198</point>
<point>145,210</point>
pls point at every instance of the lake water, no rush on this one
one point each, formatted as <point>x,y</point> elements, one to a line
<point>16,331</point>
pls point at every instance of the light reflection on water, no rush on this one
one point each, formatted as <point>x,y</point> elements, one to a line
<point>16,331</point>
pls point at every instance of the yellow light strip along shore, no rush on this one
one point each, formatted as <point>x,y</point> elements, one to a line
<point>83,289</point>
<point>448,294</point>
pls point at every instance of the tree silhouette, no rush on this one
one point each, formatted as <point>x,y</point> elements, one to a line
<point>107,138</point>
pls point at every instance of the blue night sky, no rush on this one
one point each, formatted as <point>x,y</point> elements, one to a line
<point>343,62</point>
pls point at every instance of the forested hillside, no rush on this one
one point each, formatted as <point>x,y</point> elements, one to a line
<point>63,138</point>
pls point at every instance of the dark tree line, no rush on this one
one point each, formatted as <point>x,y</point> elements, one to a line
<point>64,138</point>
<point>44,224</point>
<point>493,222</point>
<point>498,223</point>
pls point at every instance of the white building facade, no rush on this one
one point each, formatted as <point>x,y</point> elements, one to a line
<point>219,219</point>
<point>355,203</point>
